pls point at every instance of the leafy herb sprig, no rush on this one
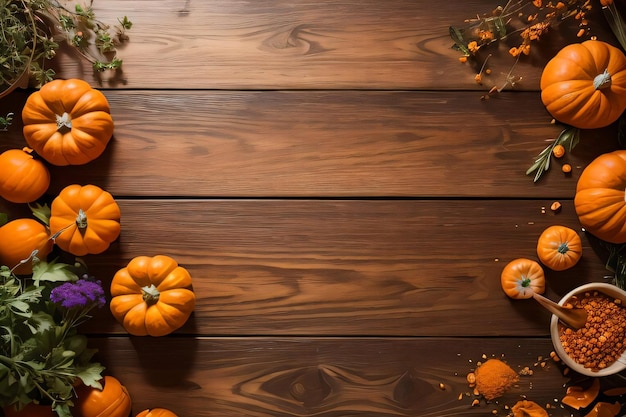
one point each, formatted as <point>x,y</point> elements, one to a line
<point>32,31</point>
<point>568,138</point>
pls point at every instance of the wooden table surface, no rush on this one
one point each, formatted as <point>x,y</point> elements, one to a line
<point>343,198</point>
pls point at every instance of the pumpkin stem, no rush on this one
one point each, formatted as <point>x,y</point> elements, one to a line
<point>64,121</point>
<point>81,219</point>
<point>150,294</point>
<point>563,248</point>
<point>602,80</point>
<point>525,282</point>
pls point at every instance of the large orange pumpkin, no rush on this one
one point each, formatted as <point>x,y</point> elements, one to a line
<point>23,179</point>
<point>584,84</point>
<point>113,400</point>
<point>152,296</point>
<point>559,247</point>
<point>18,239</point>
<point>156,412</point>
<point>67,122</point>
<point>86,219</point>
<point>599,199</point>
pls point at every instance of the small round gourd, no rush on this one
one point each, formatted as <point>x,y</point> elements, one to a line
<point>521,278</point>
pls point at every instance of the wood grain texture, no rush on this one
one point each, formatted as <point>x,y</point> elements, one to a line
<point>343,199</point>
<point>224,44</point>
<point>325,377</point>
<point>328,144</point>
<point>354,267</point>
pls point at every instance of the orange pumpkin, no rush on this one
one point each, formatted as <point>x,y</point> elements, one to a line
<point>156,412</point>
<point>18,239</point>
<point>23,179</point>
<point>152,296</point>
<point>559,247</point>
<point>599,199</point>
<point>86,219</point>
<point>521,278</point>
<point>584,84</point>
<point>67,122</point>
<point>113,400</point>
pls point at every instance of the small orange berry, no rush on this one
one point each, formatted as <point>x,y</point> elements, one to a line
<point>558,151</point>
<point>566,168</point>
<point>463,59</point>
<point>478,78</point>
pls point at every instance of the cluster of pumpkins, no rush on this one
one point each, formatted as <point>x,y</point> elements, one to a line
<point>67,122</point>
<point>583,85</point>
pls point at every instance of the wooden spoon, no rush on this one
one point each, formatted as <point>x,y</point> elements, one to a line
<point>574,318</point>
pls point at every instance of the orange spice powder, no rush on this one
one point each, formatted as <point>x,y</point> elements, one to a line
<point>494,378</point>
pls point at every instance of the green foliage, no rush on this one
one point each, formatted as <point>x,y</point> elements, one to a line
<point>31,38</point>
<point>569,138</point>
<point>41,354</point>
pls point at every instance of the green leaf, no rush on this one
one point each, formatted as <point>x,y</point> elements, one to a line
<point>52,272</point>
<point>91,375</point>
<point>41,212</point>
<point>569,138</point>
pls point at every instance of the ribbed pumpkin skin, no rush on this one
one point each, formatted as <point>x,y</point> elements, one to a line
<point>23,179</point>
<point>102,219</point>
<point>599,201</point>
<point>112,401</point>
<point>521,278</point>
<point>142,314</point>
<point>88,125</point>
<point>156,412</point>
<point>19,238</point>
<point>567,85</point>
<point>559,247</point>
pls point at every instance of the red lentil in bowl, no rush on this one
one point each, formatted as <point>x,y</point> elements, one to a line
<point>599,348</point>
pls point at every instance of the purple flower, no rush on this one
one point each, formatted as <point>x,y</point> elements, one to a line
<point>81,293</point>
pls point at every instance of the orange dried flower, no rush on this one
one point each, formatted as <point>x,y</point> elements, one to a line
<point>514,51</point>
<point>463,59</point>
<point>537,3</point>
<point>473,46</point>
<point>558,151</point>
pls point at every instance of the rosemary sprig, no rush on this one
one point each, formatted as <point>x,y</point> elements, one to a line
<point>569,138</point>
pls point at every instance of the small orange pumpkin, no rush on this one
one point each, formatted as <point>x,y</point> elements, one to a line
<point>152,296</point>
<point>113,400</point>
<point>67,122</point>
<point>156,412</point>
<point>521,278</point>
<point>559,247</point>
<point>86,219</point>
<point>18,239</point>
<point>599,199</point>
<point>584,84</point>
<point>23,179</point>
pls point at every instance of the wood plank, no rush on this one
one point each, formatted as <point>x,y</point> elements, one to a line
<point>330,144</point>
<point>350,267</point>
<point>324,377</point>
<point>226,44</point>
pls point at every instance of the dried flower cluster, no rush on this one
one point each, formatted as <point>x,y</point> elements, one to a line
<point>519,22</point>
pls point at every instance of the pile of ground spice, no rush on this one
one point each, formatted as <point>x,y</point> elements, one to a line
<point>494,378</point>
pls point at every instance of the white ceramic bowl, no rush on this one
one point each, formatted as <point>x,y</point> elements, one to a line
<point>611,291</point>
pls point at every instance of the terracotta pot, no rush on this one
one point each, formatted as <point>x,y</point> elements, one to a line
<point>31,410</point>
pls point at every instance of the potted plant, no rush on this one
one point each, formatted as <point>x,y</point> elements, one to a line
<point>33,31</point>
<point>43,359</point>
